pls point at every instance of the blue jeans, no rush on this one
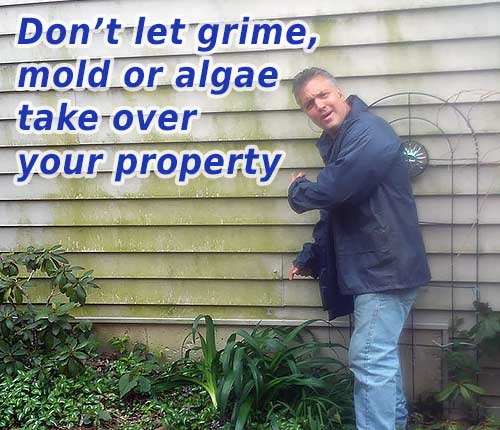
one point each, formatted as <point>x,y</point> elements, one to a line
<point>379,400</point>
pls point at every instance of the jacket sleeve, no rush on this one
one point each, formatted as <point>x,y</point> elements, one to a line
<point>368,150</point>
<point>311,256</point>
<point>308,258</point>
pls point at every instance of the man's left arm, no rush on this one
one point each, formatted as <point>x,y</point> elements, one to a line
<point>368,150</point>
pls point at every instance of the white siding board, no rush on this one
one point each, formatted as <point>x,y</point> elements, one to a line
<point>231,211</point>
<point>438,209</point>
<point>419,57</point>
<point>490,293</point>
<point>272,125</point>
<point>178,292</point>
<point>464,267</point>
<point>181,265</point>
<point>240,238</point>
<point>235,211</point>
<point>252,266</point>
<point>435,181</point>
<point>443,317</point>
<point>160,239</point>
<point>201,11</point>
<point>298,293</point>
<point>460,87</point>
<point>244,293</point>
<point>378,28</point>
<point>28,2</point>
<point>300,153</point>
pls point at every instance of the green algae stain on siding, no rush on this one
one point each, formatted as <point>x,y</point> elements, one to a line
<point>241,100</point>
<point>189,292</point>
<point>392,27</point>
<point>192,239</point>
<point>162,311</point>
<point>74,189</point>
<point>248,129</point>
<point>58,139</point>
<point>325,27</point>
<point>174,293</point>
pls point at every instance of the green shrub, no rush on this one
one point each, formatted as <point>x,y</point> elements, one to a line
<point>461,355</point>
<point>43,336</point>
<point>136,369</point>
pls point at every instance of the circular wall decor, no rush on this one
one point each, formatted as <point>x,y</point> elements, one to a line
<point>417,157</point>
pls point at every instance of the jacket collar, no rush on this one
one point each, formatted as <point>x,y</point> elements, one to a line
<point>358,106</point>
<point>327,142</point>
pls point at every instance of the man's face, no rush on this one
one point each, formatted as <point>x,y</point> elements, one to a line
<point>323,102</point>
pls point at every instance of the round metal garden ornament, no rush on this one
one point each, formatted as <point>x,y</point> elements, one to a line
<point>417,157</point>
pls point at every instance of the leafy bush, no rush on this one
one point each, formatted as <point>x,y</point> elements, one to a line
<point>463,368</point>
<point>43,336</point>
<point>278,370</point>
<point>135,369</point>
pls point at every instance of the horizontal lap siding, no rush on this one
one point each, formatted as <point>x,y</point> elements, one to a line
<point>442,84</point>
<point>216,10</point>
<point>348,61</point>
<point>390,27</point>
<point>224,246</point>
<point>244,239</point>
<point>217,211</point>
<point>435,181</point>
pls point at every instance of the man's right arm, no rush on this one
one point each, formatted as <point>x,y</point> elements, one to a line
<point>308,262</point>
<point>368,150</point>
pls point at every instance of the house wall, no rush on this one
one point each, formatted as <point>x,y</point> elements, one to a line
<point>164,254</point>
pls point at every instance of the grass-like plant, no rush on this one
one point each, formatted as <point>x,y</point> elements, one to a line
<point>265,372</point>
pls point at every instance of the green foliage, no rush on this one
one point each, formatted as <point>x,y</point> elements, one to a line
<point>486,333</point>
<point>43,336</point>
<point>420,424</point>
<point>281,422</point>
<point>189,408</point>
<point>119,344</point>
<point>280,370</point>
<point>30,401</point>
<point>490,423</point>
<point>462,369</point>
<point>135,369</point>
<point>453,390</point>
<point>206,372</point>
<point>483,337</point>
<point>443,425</point>
<point>41,399</point>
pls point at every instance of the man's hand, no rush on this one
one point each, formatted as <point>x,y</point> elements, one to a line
<point>295,271</point>
<point>294,176</point>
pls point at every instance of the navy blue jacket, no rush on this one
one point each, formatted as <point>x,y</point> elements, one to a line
<point>368,238</point>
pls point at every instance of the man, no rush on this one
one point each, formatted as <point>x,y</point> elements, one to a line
<point>368,248</point>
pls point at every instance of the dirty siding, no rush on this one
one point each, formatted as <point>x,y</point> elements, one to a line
<point>164,253</point>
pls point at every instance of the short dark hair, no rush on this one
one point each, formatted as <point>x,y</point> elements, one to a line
<point>306,75</point>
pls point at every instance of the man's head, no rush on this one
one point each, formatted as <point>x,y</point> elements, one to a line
<point>318,95</point>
